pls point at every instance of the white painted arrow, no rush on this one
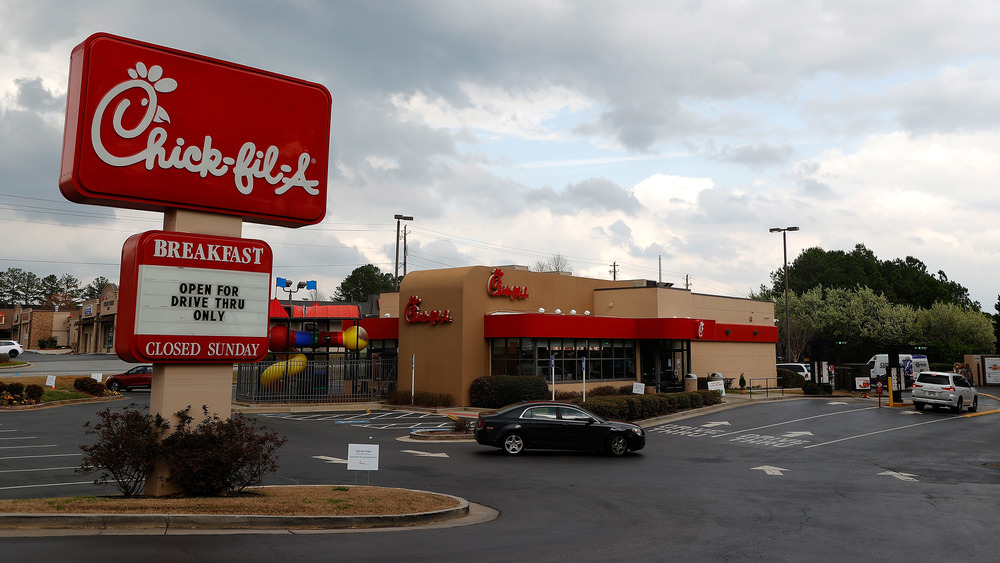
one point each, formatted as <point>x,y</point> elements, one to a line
<point>329,459</point>
<point>797,434</point>
<point>712,424</point>
<point>900,476</point>
<point>771,470</point>
<point>424,454</point>
<point>910,412</point>
<point>836,403</point>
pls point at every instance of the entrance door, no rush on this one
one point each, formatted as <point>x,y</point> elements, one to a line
<point>663,363</point>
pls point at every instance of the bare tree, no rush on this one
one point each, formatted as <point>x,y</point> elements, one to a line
<point>555,263</point>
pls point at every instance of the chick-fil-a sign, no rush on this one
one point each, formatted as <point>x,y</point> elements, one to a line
<point>496,288</point>
<point>153,128</point>
<point>413,314</point>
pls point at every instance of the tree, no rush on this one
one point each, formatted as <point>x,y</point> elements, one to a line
<point>555,263</point>
<point>952,331</point>
<point>364,281</point>
<point>901,281</point>
<point>94,288</point>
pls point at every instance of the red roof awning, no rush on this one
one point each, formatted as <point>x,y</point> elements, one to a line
<point>314,311</point>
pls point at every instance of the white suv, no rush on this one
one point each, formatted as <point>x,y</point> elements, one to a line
<point>940,389</point>
<point>10,348</point>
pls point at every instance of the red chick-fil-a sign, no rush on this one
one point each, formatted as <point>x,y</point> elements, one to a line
<point>148,127</point>
<point>413,314</point>
<point>496,288</point>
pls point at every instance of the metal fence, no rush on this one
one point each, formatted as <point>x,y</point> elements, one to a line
<point>336,380</point>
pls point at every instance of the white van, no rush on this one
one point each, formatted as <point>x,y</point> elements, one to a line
<point>911,365</point>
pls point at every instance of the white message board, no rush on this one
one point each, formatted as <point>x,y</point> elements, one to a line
<point>717,386</point>
<point>639,388</point>
<point>362,457</point>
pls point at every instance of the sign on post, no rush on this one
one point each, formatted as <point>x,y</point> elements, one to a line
<point>362,457</point>
<point>187,298</point>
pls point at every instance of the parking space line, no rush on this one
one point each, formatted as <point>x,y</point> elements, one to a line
<point>22,447</point>
<point>879,432</point>
<point>46,485</point>
<point>793,421</point>
<point>36,469</point>
<point>21,438</point>
<point>36,456</point>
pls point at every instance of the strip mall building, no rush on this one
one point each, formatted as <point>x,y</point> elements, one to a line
<point>454,325</point>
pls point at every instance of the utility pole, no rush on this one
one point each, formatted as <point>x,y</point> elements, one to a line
<point>614,271</point>
<point>404,251</point>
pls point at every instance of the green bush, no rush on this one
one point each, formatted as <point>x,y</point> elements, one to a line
<point>790,379</point>
<point>495,391</point>
<point>15,388</point>
<point>602,390</point>
<point>743,382</point>
<point>4,358</point>
<point>126,449</point>
<point>637,407</point>
<point>420,399</point>
<point>217,455</point>
<point>568,396</point>
<point>3,387</point>
<point>811,388</point>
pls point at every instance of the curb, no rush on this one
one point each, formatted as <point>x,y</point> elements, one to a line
<point>229,522</point>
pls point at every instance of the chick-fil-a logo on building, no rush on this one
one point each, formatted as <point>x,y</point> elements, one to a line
<point>413,314</point>
<point>153,128</point>
<point>496,288</point>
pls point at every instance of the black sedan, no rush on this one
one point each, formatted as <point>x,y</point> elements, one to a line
<point>557,426</point>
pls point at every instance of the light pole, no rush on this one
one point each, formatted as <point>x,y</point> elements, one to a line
<point>784,245</point>
<point>395,273</point>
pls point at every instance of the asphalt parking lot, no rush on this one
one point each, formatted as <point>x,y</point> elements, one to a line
<point>819,479</point>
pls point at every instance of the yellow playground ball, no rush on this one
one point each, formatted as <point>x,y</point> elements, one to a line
<point>355,338</point>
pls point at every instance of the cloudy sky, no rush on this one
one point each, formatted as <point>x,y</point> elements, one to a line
<point>664,137</point>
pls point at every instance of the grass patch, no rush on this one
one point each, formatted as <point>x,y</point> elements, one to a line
<point>321,500</point>
<point>63,395</point>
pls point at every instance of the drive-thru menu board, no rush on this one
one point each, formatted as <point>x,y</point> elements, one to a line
<point>188,298</point>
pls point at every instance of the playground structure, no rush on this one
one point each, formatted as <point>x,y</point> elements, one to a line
<point>286,341</point>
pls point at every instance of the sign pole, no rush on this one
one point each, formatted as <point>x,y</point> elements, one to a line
<point>552,371</point>
<point>583,361</point>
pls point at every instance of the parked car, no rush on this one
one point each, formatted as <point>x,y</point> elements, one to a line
<point>139,376</point>
<point>940,389</point>
<point>554,425</point>
<point>11,348</point>
<point>801,369</point>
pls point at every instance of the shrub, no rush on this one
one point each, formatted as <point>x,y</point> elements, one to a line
<point>89,385</point>
<point>568,396</point>
<point>34,392</point>
<point>810,388</point>
<point>15,388</point>
<point>420,399</point>
<point>494,391</point>
<point>635,407</point>
<point>827,389</point>
<point>790,379</point>
<point>743,382</point>
<point>461,424</point>
<point>3,386</point>
<point>126,449</point>
<point>219,455</point>
<point>4,358</point>
<point>602,390</point>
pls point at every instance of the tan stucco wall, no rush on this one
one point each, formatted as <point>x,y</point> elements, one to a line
<point>754,361</point>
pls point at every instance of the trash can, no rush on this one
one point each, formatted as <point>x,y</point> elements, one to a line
<point>690,382</point>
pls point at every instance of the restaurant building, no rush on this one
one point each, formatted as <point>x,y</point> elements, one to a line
<point>452,326</point>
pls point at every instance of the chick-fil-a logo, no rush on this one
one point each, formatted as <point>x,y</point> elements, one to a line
<point>496,288</point>
<point>413,314</point>
<point>249,164</point>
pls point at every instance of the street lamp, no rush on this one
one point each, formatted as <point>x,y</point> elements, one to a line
<point>784,244</point>
<point>395,273</point>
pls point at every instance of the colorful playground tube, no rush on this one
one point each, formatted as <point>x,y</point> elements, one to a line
<point>283,339</point>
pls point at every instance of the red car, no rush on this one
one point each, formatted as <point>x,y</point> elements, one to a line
<point>139,376</point>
